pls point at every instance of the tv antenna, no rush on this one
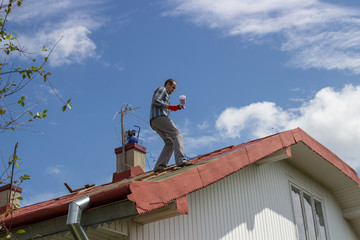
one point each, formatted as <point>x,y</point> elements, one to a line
<point>124,110</point>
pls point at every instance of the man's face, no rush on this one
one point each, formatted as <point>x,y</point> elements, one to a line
<point>170,87</point>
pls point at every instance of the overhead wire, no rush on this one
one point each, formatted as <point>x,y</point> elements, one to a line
<point>134,115</point>
<point>147,160</point>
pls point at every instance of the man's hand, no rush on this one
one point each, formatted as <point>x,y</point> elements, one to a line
<point>174,107</point>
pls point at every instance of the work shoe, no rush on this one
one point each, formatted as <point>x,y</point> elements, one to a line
<point>183,164</point>
<point>159,170</point>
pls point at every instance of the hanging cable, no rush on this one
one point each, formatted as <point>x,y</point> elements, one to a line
<point>132,114</point>
<point>147,160</point>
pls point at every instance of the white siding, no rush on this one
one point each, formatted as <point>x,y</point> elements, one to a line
<point>252,204</point>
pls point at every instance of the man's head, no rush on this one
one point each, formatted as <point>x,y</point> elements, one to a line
<point>170,85</point>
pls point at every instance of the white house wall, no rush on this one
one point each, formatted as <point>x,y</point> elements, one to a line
<point>337,226</point>
<point>252,204</point>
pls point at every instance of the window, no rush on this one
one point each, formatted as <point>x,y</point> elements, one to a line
<point>309,217</point>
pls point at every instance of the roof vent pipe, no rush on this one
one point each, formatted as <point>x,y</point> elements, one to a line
<point>74,217</point>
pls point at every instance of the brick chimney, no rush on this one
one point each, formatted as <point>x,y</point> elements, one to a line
<point>134,161</point>
<point>5,200</point>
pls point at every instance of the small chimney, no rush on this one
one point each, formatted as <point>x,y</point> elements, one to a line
<point>6,201</point>
<point>134,161</point>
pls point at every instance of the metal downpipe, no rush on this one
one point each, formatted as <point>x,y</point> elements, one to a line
<point>74,217</point>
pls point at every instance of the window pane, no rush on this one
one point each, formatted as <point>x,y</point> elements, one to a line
<point>295,194</point>
<point>320,220</point>
<point>309,217</point>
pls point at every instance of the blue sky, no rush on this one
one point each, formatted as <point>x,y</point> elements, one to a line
<point>248,69</point>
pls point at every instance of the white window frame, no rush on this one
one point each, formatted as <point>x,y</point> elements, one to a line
<point>304,217</point>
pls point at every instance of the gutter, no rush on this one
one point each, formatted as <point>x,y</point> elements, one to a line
<point>74,217</point>
<point>56,208</point>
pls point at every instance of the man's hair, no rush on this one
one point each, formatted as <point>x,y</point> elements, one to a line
<point>171,81</point>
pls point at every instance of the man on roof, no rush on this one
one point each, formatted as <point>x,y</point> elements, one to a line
<point>164,126</point>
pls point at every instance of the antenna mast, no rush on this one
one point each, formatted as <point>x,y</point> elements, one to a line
<point>123,113</point>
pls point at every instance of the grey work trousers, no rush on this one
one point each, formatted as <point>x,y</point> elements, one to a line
<point>173,140</point>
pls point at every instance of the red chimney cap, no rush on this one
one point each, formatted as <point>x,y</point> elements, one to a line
<point>131,146</point>
<point>13,188</point>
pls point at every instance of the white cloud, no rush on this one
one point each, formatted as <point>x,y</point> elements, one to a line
<point>42,93</point>
<point>46,22</point>
<point>316,34</point>
<point>75,44</point>
<point>264,118</point>
<point>148,138</point>
<point>297,99</point>
<point>191,144</point>
<point>54,169</point>
<point>37,10</point>
<point>34,9</point>
<point>41,197</point>
<point>331,117</point>
<point>119,67</point>
<point>203,125</point>
<point>185,127</point>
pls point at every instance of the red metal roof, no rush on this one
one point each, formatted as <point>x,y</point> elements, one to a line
<point>150,191</point>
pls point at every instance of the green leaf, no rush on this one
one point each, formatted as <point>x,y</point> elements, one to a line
<point>64,108</point>
<point>9,10</point>
<point>20,231</point>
